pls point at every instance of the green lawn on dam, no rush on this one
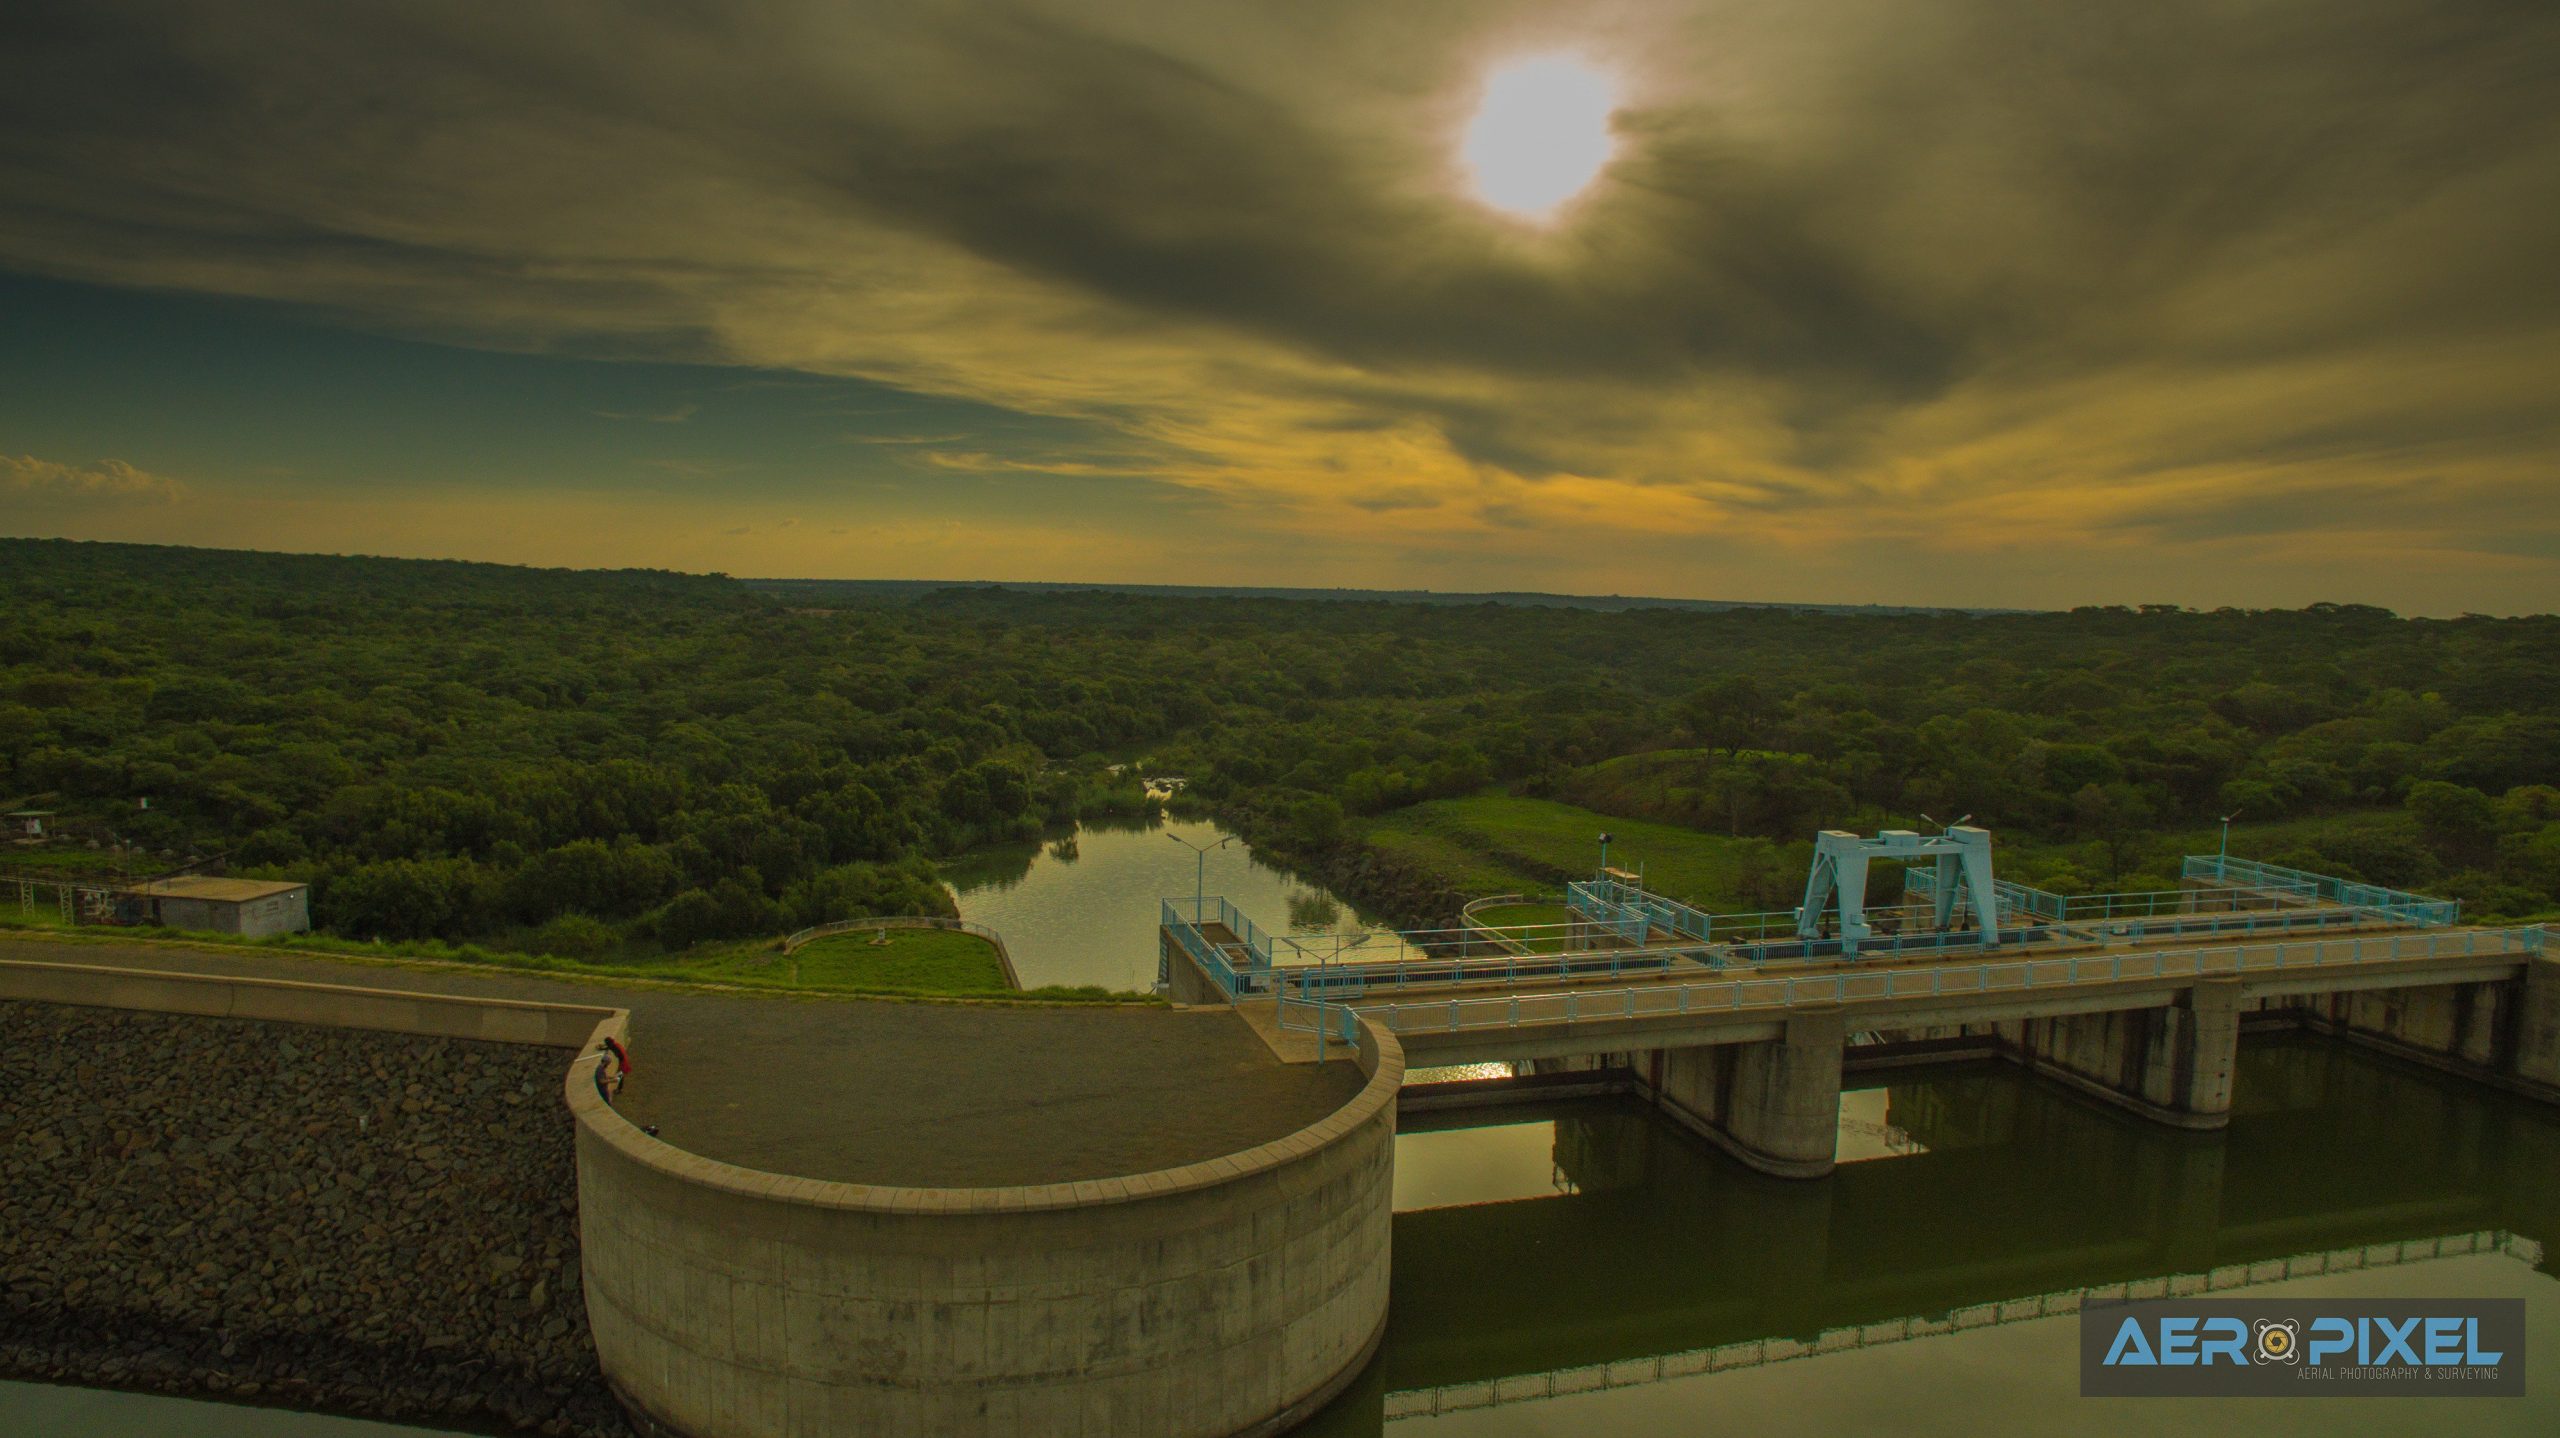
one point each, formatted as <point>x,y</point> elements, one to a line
<point>1584,1267</point>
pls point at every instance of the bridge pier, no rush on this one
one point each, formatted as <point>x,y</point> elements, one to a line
<point>2173,1064</point>
<point>1774,1104</point>
<point>2505,1033</point>
<point>2534,1056</point>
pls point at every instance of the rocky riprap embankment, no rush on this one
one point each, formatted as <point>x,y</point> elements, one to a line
<point>319,1218</point>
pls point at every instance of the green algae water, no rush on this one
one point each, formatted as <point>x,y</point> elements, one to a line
<point>1591,1269</point>
<point>1081,908</point>
<point>39,1410</point>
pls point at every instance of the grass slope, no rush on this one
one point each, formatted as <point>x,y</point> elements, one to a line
<point>917,961</point>
<point>1497,843</point>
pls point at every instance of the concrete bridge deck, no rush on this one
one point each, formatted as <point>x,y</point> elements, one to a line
<point>1547,1017</point>
<point>1750,1054</point>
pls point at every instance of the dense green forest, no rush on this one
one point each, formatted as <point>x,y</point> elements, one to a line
<point>583,762</point>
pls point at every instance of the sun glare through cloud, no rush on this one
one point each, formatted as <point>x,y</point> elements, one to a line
<point>1540,135</point>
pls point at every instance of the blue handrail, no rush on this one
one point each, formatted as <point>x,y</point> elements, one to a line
<point>2397,904</point>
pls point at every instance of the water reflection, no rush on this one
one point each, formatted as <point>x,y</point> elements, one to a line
<point>1644,1242</point>
<point>1081,908</point>
<point>37,1410</point>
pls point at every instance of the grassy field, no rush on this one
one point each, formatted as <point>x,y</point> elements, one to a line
<point>1498,843</point>
<point>1509,915</point>
<point>954,971</point>
<point>915,961</point>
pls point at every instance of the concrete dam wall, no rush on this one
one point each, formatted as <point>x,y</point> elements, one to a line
<point>360,1221</point>
<point>1233,1296</point>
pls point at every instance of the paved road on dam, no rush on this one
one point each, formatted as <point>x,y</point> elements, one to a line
<point>871,1091</point>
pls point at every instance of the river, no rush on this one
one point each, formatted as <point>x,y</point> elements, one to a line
<point>1082,908</point>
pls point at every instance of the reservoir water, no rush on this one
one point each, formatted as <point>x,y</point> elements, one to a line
<point>39,1410</point>
<point>1082,908</point>
<point>1590,1269</point>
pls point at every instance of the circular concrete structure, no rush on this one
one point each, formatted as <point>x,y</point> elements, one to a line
<point>1232,1296</point>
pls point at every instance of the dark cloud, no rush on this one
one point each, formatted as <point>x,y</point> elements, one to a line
<point>1849,249</point>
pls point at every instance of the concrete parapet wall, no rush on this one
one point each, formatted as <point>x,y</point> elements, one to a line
<point>1226,1297</point>
<point>284,1001</point>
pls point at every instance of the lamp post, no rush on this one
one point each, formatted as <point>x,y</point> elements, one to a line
<point>1200,873</point>
<point>1604,857</point>
<point>2222,860</point>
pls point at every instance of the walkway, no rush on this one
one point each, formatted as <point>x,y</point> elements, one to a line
<point>869,1091</point>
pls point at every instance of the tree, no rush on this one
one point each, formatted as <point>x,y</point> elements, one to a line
<point>1730,714</point>
<point>2460,822</point>
<point>2118,816</point>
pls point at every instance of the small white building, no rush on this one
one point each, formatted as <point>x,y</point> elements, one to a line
<point>252,908</point>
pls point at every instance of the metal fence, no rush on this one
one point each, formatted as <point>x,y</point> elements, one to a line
<point>1919,884</point>
<point>2396,904</point>
<point>1181,919</point>
<point>1935,981</point>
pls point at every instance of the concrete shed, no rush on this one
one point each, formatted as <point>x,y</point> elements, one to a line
<point>252,908</point>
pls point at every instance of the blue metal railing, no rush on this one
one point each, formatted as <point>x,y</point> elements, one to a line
<point>2236,921</point>
<point>1180,921</point>
<point>1596,902</point>
<point>1329,1022</point>
<point>1620,907</point>
<point>1919,885</point>
<point>1791,947</point>
<point>1355,979</point>
<point>1215,909</point>
<point>2009,899</point>
<point>2396,904</point>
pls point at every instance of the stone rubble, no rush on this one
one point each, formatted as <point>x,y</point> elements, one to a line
<point>372,1224</point>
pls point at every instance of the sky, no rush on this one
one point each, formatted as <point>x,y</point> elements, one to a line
<point>1974,302</point>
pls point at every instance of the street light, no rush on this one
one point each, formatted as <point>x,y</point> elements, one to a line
<point>1604,856</point>
<point>2224,859</point>
<point>1200,875</point>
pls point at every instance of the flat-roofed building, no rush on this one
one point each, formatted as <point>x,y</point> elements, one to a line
<point>253,908</point>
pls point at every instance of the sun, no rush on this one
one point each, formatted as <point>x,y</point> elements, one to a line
<point>1541,134</point>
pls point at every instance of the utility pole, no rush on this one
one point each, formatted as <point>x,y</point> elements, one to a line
<point>1200,873</point>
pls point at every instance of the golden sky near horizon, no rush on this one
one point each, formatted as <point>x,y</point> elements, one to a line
<point>2031,302</point>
